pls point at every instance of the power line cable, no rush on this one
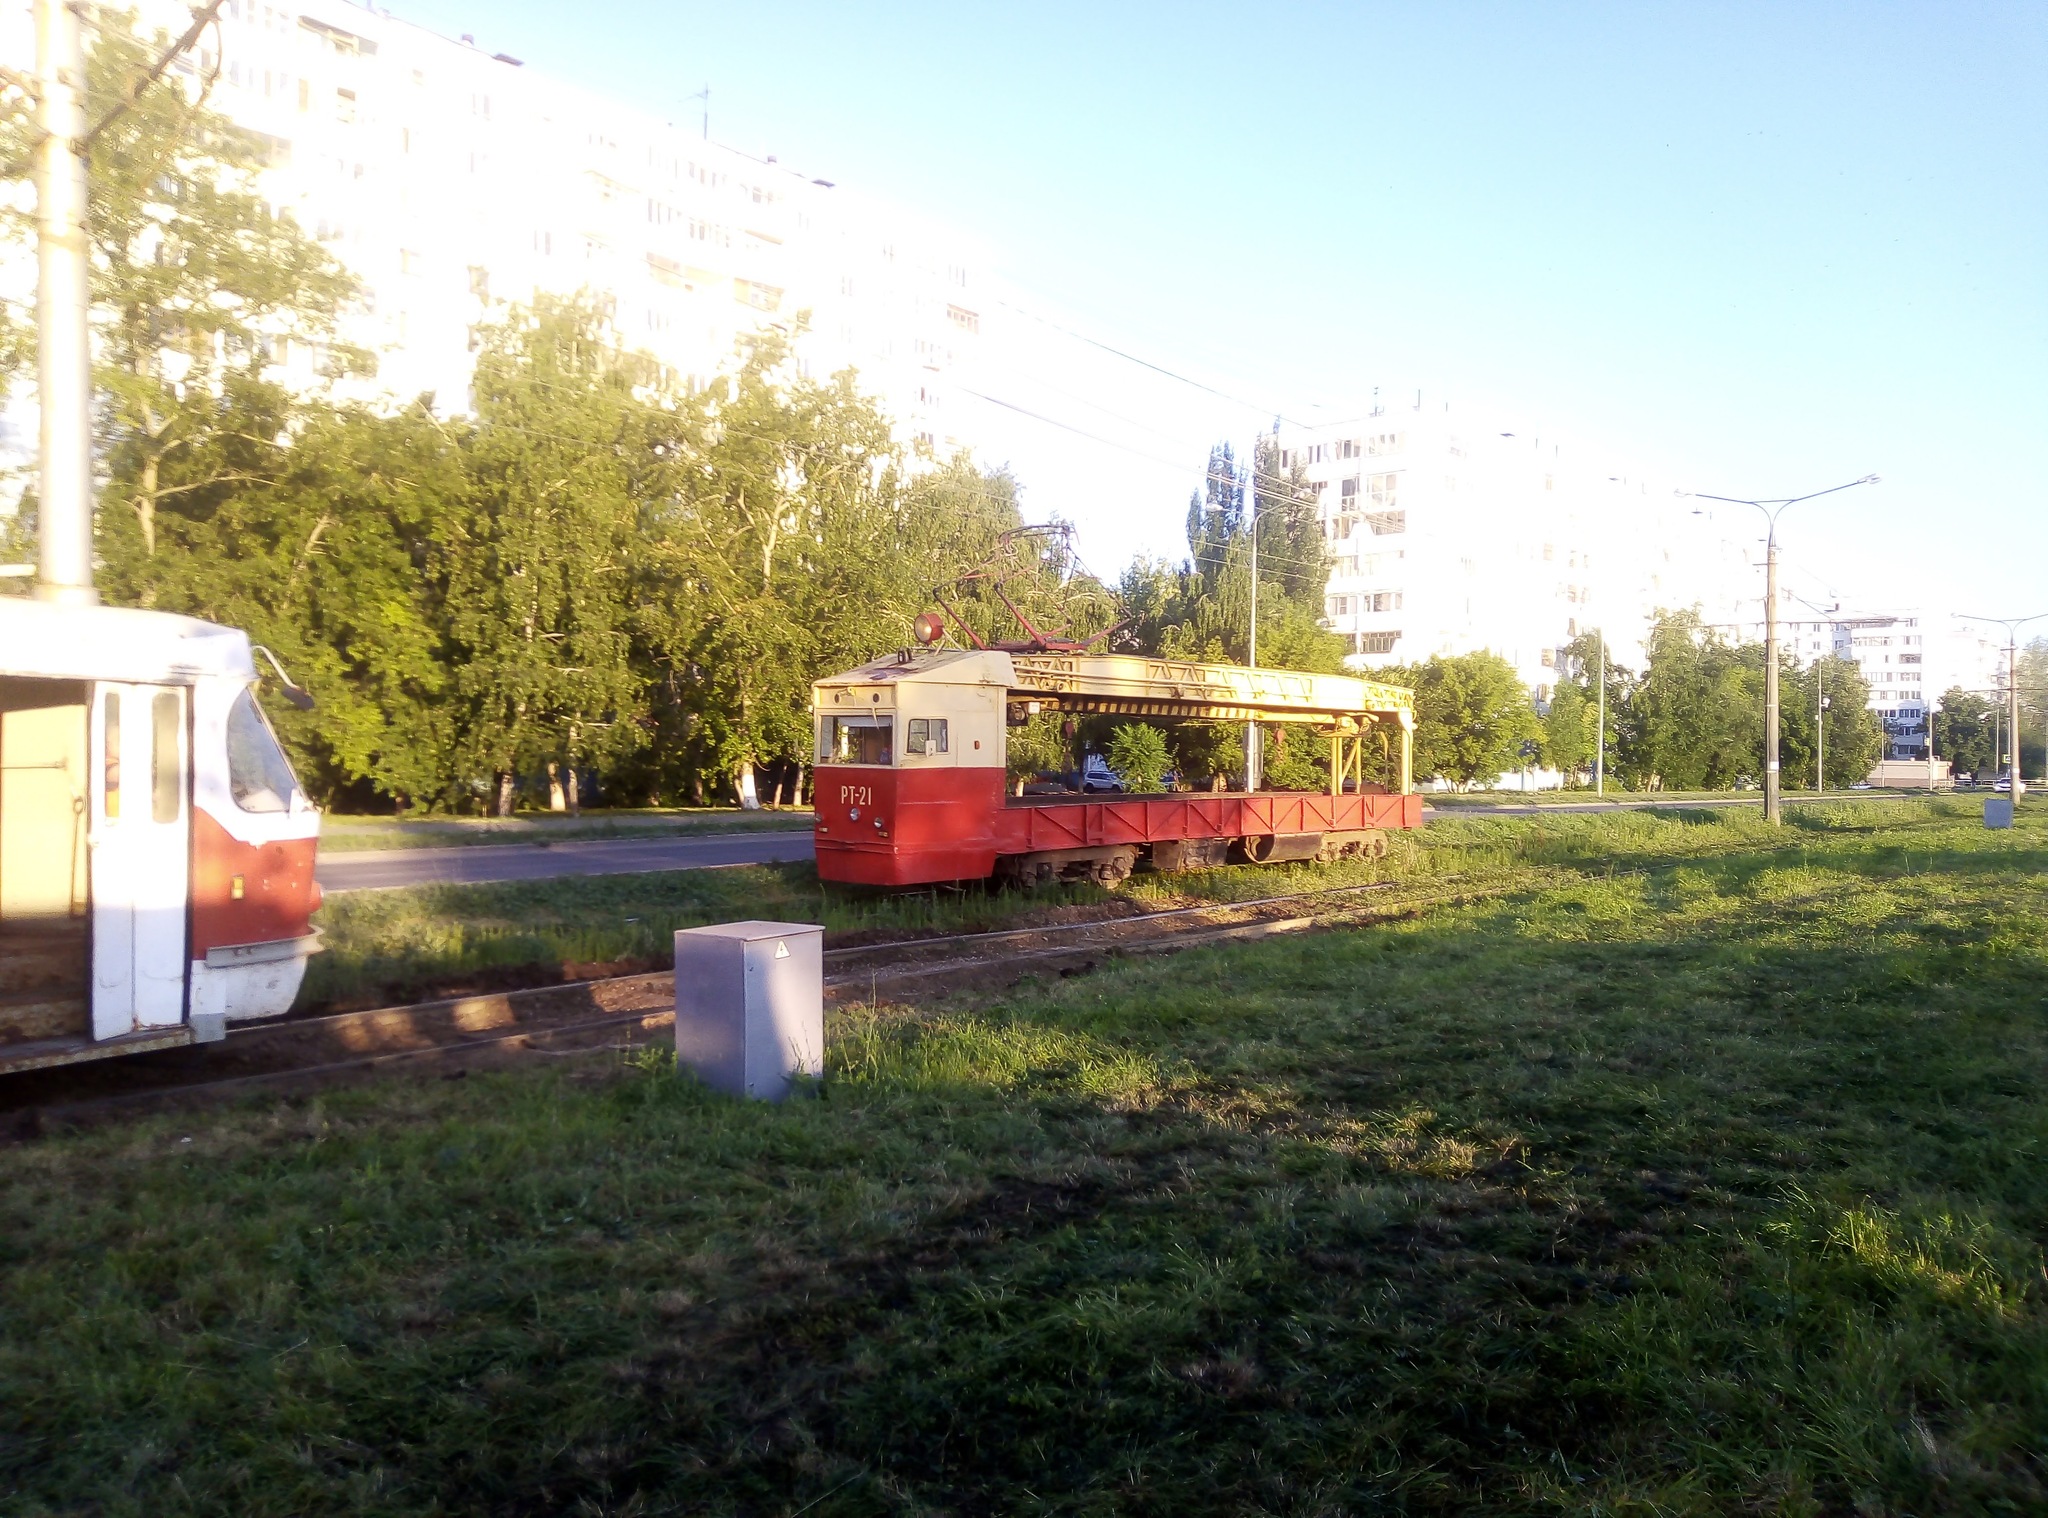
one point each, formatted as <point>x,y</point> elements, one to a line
<point>1144,363</point>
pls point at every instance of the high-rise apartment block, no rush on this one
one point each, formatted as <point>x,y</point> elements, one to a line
<point>454,182</point>
<point>1450,533</point>
<point>1907,659</point>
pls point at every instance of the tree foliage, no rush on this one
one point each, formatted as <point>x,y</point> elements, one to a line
<point>1137,752</point>
<point>1472,716</point>
<point>198,287</point>
<point>1202,608</point>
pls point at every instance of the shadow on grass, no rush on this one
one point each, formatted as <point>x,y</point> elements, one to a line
<point>1589,1197</point>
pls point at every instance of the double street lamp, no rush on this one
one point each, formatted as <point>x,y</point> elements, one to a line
<point>1771,509</point>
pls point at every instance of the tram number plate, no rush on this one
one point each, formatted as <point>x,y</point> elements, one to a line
<point>856,795</point>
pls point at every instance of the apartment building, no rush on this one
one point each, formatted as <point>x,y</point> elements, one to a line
<point>455,182</point>
<point>1451,532</point>
<point>1907,658</point>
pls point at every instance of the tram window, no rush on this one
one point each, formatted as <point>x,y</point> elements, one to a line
<point>863,740</point>
<point>163,764</point>
<point>927,736</point>
<point>259,777</point>
<point>113,757</point>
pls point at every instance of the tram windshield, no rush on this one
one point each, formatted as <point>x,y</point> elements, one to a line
<point>259,776</point>
<point>858,740</point>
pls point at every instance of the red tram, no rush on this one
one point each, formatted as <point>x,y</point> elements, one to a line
<point>156,852</point>
<point>911,780</point>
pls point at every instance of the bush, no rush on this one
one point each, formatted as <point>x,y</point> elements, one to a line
<point>1137,752</point>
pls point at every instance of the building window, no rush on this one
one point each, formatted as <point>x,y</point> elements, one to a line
<point>965,320</point>
<point>345,106</point>
<point>1347,493</point>
<point>753,293</point>
<point>1382,487</point>
<point>1347,448</point>
<point>1378,642</point>
<point>1387,442</point>
<point>1386,523</point>
<point>544,244</point>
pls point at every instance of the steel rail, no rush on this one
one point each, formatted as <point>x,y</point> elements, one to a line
<point>456,1039</point>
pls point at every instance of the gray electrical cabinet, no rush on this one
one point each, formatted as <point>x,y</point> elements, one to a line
<point>750,1005</point>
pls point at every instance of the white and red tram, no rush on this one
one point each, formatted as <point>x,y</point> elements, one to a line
<point>911,788</point>
<point>156,852</point>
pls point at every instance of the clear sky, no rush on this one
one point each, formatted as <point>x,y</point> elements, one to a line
<point>1769,246</point>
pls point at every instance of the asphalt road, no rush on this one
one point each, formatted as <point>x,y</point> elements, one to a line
<point>384,869</point>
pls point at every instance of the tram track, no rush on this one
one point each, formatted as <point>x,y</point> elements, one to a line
<point>621,1011</point>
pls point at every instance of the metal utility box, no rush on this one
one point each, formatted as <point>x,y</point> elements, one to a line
<point>750,1005</point>
<point>1998,811</point>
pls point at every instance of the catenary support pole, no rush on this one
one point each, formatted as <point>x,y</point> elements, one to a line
<point>2012,720</point>
<point>1820,728</point>
<point>1254,746</point>
<point>63,346</point>
<point>1771,803</point>
<point>1600,743</point>
<point>1772,508</point>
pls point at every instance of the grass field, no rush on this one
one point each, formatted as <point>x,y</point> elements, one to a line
<point>347,835</point>
<point>1701,1174</point>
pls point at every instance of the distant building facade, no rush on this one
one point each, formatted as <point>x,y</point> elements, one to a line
<point>1450,533</point>
<point>1907,659</point>
<point>454,183</point>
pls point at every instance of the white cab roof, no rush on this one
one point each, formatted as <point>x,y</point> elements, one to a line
<point>116,643</point>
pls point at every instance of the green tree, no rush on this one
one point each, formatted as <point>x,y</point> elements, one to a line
<point>330,559</point>
<point>1855,738</point>
<point>1138,753</point>
<point>1965,732</point>
<point>199,290</point>
<point>1472,716</point>
<point>540,558</point>
<point>1037,745</point>
<point>1568,731</point>
<point>1695,716</point>
<point>1203,608</point>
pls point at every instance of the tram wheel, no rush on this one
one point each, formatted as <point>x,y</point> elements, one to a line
<point>1114,870</point>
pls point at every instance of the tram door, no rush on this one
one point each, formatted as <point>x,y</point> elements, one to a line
<point>141,851</point>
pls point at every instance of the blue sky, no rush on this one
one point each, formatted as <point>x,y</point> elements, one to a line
<point>1770,247</point>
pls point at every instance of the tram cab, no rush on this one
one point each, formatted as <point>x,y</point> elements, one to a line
<point>156,851</point>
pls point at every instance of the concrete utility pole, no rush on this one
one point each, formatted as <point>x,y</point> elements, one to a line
<point>1600,744</point>
<point>1820,744</point>
<point>2015,788</point>
<point>1254,745</point>
<point>1771,509</point>
<point>63,344</point>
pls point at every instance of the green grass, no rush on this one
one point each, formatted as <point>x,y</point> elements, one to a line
<point>400,945</point>
<point>344,835</point>
<point>1702,1175</point>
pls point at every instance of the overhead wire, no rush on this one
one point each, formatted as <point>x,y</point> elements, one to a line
<point>1143,363</point>
<point>131,96</point>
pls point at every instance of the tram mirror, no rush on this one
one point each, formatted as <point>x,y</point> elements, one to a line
<point>299,697</point>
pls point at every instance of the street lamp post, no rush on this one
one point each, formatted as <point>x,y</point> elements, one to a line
<point>1820,743</point>
<point>2012,626</point>
<point>1771,510</point>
